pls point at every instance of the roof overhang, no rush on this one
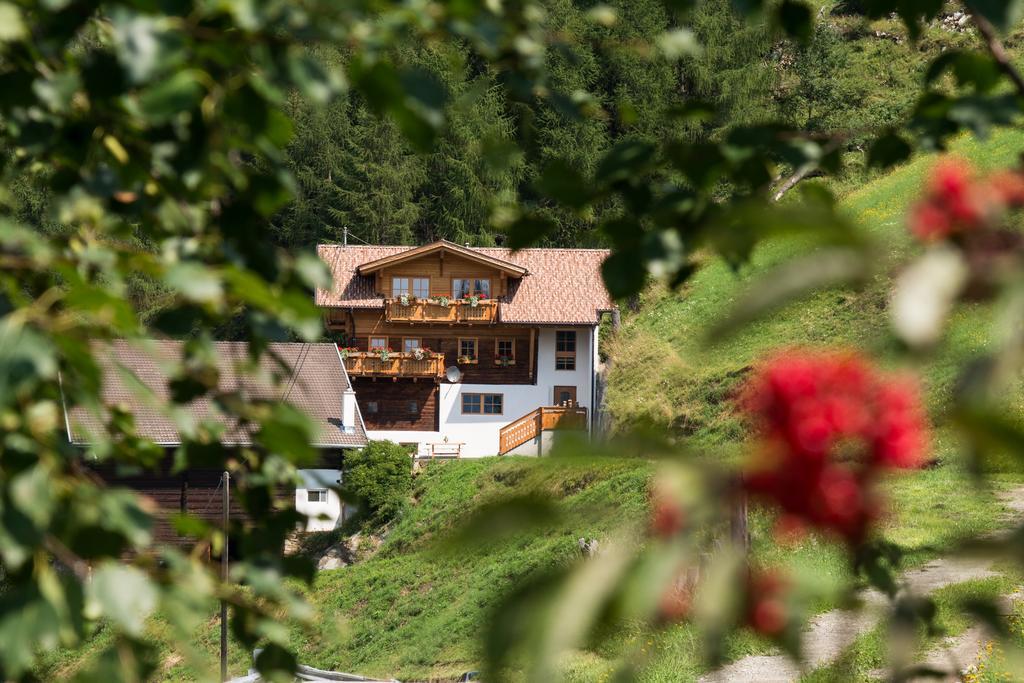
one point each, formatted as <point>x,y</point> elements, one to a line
<point>442,246</point>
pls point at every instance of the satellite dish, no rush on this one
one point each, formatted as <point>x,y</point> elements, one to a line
<point>453,374</point>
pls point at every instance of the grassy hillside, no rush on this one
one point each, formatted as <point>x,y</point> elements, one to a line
<point>416,613</point>
<point>684,383</point>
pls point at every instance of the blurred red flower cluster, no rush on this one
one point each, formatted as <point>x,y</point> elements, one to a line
<point>766,610</point>
<point>957,200</point>
<point>829,422</point>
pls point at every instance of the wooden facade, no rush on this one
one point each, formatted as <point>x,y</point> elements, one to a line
<point>363,324</point>
<point>390,405</point>
<point>499,354</point>
<point>441,268</point>
<point>194,491</point>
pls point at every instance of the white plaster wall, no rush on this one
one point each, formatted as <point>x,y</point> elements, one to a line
<point>478,434</point>
<point>322,516</point>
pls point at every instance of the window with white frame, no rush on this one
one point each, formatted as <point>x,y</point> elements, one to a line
<point>399,286</point>
<point>316,495</point>
<point>421,287</point>
<point>410,344</point>
<point>378,343</point>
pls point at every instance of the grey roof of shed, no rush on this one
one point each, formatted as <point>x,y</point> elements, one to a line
<point>310,377</point>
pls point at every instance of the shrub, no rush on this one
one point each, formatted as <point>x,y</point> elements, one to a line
<point>378,479</point>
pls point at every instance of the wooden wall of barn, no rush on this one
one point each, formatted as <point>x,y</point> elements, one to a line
<point>196,491</point>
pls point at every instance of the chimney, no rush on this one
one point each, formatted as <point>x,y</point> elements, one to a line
<point>348,411</point>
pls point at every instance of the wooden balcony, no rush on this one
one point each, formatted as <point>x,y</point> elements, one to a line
<point>529,426</point>
<point>370,364</point>
<point>455,313</point>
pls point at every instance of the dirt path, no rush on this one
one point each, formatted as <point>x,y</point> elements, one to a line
<point>828,635</point>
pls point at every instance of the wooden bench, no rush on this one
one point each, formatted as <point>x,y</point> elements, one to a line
<point>445,450</point>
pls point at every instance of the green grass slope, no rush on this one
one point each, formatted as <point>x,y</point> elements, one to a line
<point>663,373</point>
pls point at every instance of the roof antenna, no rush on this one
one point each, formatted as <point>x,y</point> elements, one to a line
<point>344,236</point>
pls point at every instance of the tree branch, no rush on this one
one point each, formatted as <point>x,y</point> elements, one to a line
<point>995,47</point>
<point>791,182</point>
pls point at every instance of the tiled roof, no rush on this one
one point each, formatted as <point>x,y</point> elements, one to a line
<point>476,255</point>
<point>562,286</point>
<point>311,377</point>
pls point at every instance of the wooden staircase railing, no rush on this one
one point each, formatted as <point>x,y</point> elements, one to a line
<point>542,419</point>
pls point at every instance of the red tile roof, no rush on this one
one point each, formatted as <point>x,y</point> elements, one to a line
<point>311,377</point>
<point>562,286</point>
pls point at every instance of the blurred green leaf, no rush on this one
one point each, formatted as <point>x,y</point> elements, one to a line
<point>12,25</point>
<point>625,160</point>
<point>528,230</point>
<point>888,150</point>
<point>501,519</point>
<point>167,99</point>
<point>1003,14</point>
<point>195,282</point>
<point>678,43</point>
<point>925,293</point>
<point>969,68</point>
<point>795,19</point>
<point>123,594</point>
<point>563,183</point>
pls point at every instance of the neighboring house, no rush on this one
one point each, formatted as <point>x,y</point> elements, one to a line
<point>489,347</point>
<point>311,377</point>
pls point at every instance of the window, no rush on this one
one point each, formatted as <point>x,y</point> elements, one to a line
<point>421,287</point>
<point>372,407</point>
<point>482,404</point>
<point>399,286</point>
<point>413,407</point>
<point>492,404</point>
<point>378,343</point>
<point>467,350</point>
<point>410,344</point>
<point>316,495</point>
<point>463,287</point>
<point>460,288</point>
<point>504,352</point>
<point>565,350</point>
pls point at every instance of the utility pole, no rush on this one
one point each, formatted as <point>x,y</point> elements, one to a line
<point>226,482</point>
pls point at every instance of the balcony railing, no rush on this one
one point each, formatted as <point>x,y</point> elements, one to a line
<point>370,364</point>
<point>566,416</point>
<point>428,311</point>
